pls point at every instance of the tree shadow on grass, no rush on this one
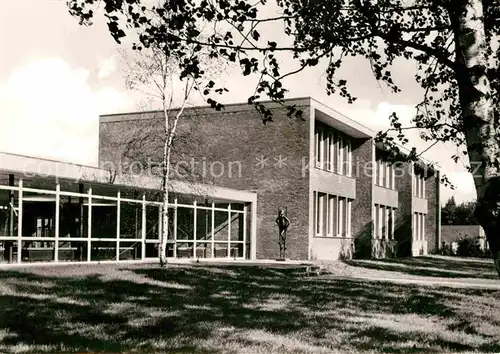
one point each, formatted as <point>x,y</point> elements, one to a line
<point>432,267</point>
<point>188,308</point>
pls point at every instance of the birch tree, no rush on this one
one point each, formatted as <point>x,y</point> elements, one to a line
<point>454,44</point>
<point>154,74</point>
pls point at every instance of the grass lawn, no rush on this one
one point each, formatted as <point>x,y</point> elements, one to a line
<point>238,309</point>
<point>432,268</point>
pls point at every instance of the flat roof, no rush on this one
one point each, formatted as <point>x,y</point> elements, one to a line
<point>340,121</point>
<point>202,109</point>
<point>322,112</point>
<point>33,167</point>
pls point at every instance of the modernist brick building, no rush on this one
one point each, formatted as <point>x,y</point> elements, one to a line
<point>342,198</point>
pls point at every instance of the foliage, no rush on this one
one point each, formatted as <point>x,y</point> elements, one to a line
<point>461,214</point>
<point>322,31</point>
<point>468,247</point>
<point>448,212</point>
<point>445,249</point>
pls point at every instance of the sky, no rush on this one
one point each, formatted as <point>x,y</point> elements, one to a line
<point>57,77</point>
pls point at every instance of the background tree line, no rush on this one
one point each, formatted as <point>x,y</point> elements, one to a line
<point>458,214</point>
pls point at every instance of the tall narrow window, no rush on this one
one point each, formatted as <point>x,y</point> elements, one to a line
<point>325,214</point>
<point>319,212</point>
<point>419,184</point>
<point>340,223</point>
<point>321,148</point>
<point>326,150</point>
<point>345,217</point>
<point>328,211</point>
<point>315,212</point>
<point>317,147</point>
<point>422,233</point>
<point>415,226</point>
<point>331,161</point>
<point>349,158</point>
<point>334,215</point>
<point>386,212</point>
<point>388,176</point>
<point>334,148</point>
<point>349,213</point>
<point>340,154</point>
<point>380,173</point>
<point>419,226</point>
<point>380,222</point>
<point>393,177</point>
<point>345,157</point>
<point>392,223</point>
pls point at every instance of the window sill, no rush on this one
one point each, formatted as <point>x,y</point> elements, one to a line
<point>333,172</point>
<point>422,198</point>
<point>334,237</point>
<point>390,189</point>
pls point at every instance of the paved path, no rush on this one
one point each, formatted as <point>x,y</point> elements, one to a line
<point>457,283</point>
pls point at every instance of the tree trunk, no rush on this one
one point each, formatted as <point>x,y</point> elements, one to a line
<point>165,179</point>
<point>480,124</point>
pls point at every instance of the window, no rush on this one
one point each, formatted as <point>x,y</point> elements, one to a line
<point>383,221</point>
<point>384,174</point>
<point>332,215</point>
<point>418,184</point>
<point>320,201</point>
<point>419,227</point>
<point>327,150</point>
<point>422,228</point>
<point>347,158</point>
<point>349,213</point>
<point>341,213</point>
<point>317,147</point>
<point>332,150</point>
<point>415,226</point>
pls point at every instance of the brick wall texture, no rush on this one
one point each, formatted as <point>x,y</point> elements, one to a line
<point>453,233</point>
<point>362,206</point>
<point>403,217</point>
<point>431,221</point>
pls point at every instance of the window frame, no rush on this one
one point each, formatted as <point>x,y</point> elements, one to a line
<point>332,215</point>
<point>332,150</point>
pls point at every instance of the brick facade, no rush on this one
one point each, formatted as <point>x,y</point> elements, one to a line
<point>403,222</point>
<point>362,206</point>
<point>431,223</point>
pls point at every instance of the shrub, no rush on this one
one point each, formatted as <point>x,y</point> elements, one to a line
<point>446,249</point>
<point>470,248</point>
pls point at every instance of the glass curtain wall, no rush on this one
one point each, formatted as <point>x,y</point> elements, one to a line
<point>78,225</point>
